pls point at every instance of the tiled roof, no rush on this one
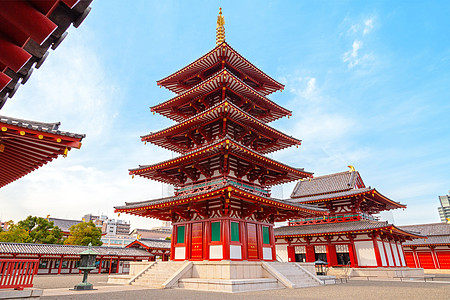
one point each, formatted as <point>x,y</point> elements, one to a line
<point>335,228</point>
<point>39,126</point>
<point>64,224</point>
<point>155,243</point>
<point>51,249</point>
<point>334,195</point>
<point>129,205</point>
<point>429,229</point>
<point>438,233</point>
<point>331,183</point>
<point>431,240</point>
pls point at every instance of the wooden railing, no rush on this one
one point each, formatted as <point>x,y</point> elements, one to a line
<point>17,273</point>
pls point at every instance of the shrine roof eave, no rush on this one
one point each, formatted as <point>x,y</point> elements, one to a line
<point>225,143</point>
<point>28,42</point>
<point>435,240</point>
<point>372,193</point>
<point>214,56</point>
<point>214,82</point>
<point>234,113</point>
<point>168,202</point>
<point>28,145</point>
<point>342,228</point>
<point>151,244</point>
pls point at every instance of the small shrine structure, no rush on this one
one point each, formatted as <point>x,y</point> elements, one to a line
<point>351,234</point>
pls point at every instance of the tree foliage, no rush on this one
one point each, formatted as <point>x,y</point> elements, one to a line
<point>84,233</point>
<point>35,230</point>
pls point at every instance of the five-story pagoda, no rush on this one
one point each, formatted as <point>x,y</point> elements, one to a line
<point>222,208</point>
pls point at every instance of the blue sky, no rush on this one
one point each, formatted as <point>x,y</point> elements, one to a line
<point>367,81</point>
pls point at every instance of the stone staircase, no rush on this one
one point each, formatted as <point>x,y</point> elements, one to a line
<point>295,274</point>
<point>157,274</point>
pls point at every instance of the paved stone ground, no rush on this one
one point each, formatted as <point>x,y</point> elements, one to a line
<point>354,289</point>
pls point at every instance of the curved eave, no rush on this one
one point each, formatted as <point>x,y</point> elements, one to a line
<point>207,195</point>
<point>215,82</point>
<point>391,229</point>
<point>225,143</point>
<point>213,113</point>
<point>373,192</point>
<point>213,57</point>
<point>23,150</point>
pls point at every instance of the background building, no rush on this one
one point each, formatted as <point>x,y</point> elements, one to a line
<point>444,210</point>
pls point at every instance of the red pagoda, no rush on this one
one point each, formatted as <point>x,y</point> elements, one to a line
<point>222,207</point>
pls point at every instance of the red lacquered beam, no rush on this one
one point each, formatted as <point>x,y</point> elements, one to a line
<point>4,80</point>
<point>28,19</point>
<point>12,55</point>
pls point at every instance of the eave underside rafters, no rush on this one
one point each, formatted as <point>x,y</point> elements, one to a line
<point>220,120</point>
<point>228,201</point>
<point>219,87</point>
<point>221,56</point>
<point>370,202</point>
<point>221,158</point>
<point>24,150</point>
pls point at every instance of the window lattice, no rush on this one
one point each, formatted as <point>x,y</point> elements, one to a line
<point>300,249</point>
<point>320,249</point>
<point>341,248</point>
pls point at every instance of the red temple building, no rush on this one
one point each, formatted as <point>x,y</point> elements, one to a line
<point>350,234</point>
<point>222,208</point>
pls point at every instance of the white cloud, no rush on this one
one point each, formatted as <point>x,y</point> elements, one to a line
<point>73,87</point>
<point>351,56</point>
<point>368,26</point>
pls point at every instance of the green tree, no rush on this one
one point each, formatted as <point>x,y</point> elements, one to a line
<point>84,233</point>
<point>32,230</point>
<point>14,234</point>
<point>41,231</point>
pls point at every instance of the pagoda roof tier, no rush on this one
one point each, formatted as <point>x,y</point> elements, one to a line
<point>223,155</point>
<point>368,200</point>
<point>340,189</point>
<point>211,91</point>
<point>362,226</point>
<point>207,203</point>
<point>220,56</point>
<point>27,145</point>
<point>200,129</point>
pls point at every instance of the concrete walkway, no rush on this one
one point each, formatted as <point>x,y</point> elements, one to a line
<point>58,287</point>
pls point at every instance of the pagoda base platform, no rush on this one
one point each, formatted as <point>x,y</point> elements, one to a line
<point>221,276</point>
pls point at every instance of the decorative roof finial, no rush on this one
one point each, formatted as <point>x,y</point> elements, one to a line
<point>352,168</point>
<point>220,29</point>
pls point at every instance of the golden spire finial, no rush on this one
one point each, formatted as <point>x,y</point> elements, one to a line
<point>220,29</point>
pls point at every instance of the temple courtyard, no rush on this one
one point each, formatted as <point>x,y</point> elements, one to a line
<point>58,287</point>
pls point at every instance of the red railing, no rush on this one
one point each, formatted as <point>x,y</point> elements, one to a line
<point>17,273</point>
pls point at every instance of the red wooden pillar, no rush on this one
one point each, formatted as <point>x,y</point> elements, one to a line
<point>172,243</point>
<point>118,264</point>
<point>377,250</point>
<point>188,240</point>
<point>398,253</point>
<point>272,243</point>
<point>435,258</point>
<point>60,264</point>
<point>416,258</point>
<point>110,265</point>
<point>351,253</point>
<point>393,256</point>
<point>310,254</point>
<point>226,238</point>
<point>331,254</point>
<point>206,234</point>
<point>259,237</point>
<point>291,253</point>
<point>100,266</point>
<point>244,240</point>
